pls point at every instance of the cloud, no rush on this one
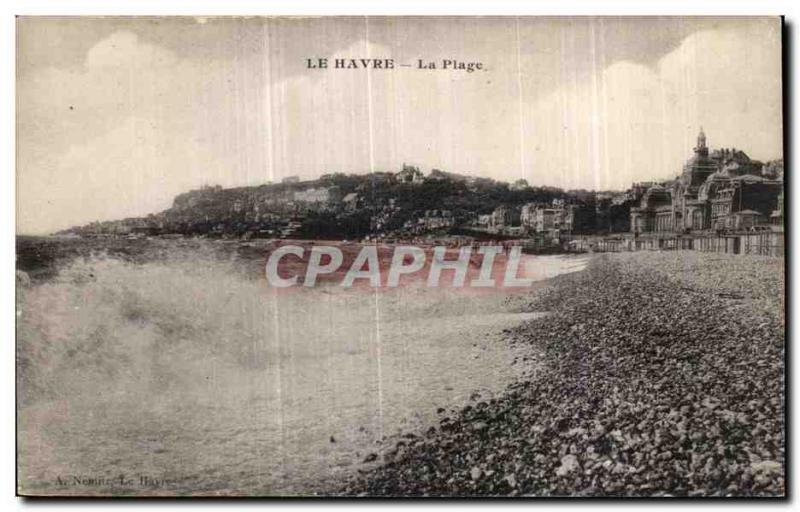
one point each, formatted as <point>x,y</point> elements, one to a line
<point>132,128</point>
<point>354,120</point>
<point>135,169</point>
<point>631,122</point>
<point>121,77</point>
<point>135,123</point>
<point>122,49</point>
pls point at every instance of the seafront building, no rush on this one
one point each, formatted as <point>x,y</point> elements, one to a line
<point>722,190</point>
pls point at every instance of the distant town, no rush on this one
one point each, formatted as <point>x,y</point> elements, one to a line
<point>718,195</point>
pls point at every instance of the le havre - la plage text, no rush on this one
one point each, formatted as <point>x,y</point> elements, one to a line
<point>388,64</point>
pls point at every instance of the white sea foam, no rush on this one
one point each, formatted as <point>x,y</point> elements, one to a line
<point>189,370</point>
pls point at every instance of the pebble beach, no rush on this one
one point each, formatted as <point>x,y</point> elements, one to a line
<point>658,374</point>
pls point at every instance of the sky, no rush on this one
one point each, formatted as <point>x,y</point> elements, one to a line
<point>116,116</point>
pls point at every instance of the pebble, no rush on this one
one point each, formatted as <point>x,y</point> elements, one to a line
<point>649,383</point>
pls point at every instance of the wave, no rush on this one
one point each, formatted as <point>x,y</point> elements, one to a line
<point>105,324</point>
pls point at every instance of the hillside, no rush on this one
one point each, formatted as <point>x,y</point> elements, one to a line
<point>334,206</point>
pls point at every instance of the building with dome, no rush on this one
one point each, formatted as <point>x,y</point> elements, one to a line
<point>717,190</point>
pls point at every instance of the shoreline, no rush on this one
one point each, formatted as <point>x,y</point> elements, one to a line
<point>659,379</point>
<point>652,373</point>
<point>255,392</point>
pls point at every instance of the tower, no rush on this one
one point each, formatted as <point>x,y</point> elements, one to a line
<point>701,147</point>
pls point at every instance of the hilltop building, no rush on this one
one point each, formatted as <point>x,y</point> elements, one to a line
<point>318,195</point>
<point>350,202</point>
<point>520,184</point>
<point>410,174</point>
